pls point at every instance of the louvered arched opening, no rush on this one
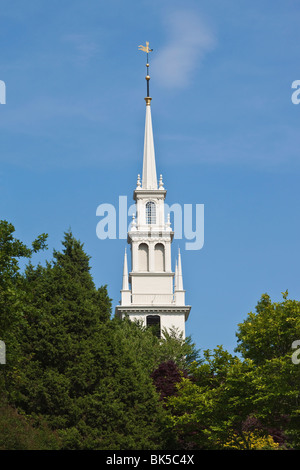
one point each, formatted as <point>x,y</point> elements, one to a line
<point>143,257</point>
<point>159,257</point>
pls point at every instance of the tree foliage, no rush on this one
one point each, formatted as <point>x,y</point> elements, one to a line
<point>76,378</point>
<point>166,377</point>
<point>248,402</point>
<point>84,374</point>
<point>12,296</point>
<point>269,332</point>
<point>79,372</point>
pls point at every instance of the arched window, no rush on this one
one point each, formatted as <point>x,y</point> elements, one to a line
<point>159,257</point>
<point>150,213</point>
<point>153,321</point>
<point>143,257</point>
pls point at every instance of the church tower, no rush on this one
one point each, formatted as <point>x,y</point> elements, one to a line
<point>151,291</point>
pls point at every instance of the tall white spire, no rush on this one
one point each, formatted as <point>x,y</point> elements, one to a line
<point>125,292</point>
<point>179,278</point>
<point>125,285</point>
<point>149,180</point>
<point>176,277</point>
<point>179,292</point>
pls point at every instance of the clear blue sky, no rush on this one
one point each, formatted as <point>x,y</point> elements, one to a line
<point>226,135</point>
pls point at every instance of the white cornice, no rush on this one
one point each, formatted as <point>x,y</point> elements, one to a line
<point>162,309</point>
<point>144,193</point>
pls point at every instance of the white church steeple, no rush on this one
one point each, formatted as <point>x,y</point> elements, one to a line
<point>149,180</point>
<point>149,291</point>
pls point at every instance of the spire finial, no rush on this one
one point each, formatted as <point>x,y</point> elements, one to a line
<point>161,184</point>
<point>147,50</point>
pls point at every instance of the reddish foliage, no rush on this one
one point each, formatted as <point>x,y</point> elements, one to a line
<point>165,378</point>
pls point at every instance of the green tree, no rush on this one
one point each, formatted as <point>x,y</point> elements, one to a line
<point>212,406</point>
<point>18,433</point>
<point>152,351</point>
<point>244,403</point>
<point>269,332</point>
<point>80,372</point>
<point>218,408</point>
<point>266,337</point>
<point>12,296</point>
<point>73,367</point>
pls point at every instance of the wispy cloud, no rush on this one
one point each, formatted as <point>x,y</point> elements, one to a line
<point>84,47</point>
<point>268,148</point>
<point>189,39</point>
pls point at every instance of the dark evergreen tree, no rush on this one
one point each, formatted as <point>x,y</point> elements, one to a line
<point>79,372</point>
<point>12,298</point>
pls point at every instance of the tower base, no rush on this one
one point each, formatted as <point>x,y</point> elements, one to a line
<point>168,318</point>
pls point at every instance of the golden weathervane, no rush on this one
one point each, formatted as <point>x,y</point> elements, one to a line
<point>145,48</point>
